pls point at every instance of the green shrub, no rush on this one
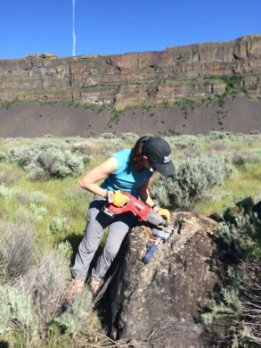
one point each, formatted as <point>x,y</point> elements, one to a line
<point>77,314</point>
<point>243,157</point>
<point>47,282</point>
<point>232,84</point>
<point>25,196</point>
<point>35,171</point>
<point>194,177</point>
<point>241,234</point>
<point>23,155</point>
<point>229,305</point>
<point>86,158</point>
<point>220,145</point>
<point>30,215</point>
<point>38,197</point>
<point>216,135</point>
<point>38,212</point>
<point>5,192</point>
<point>36,297</point>
<point>59,164</point>
<point>239,301</point>
<point>2,156</point>
<point>58,224</point>
<point>186,141</point>
<point>108,135</point>
<point>16,310</point>
<point>130,137</point>
<point>47,160</point>
<point>9,175</point>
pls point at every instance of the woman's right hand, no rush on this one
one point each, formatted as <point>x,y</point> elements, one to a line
<point>118,198</point>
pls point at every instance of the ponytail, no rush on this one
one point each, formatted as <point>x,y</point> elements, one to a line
<point>138,149</point>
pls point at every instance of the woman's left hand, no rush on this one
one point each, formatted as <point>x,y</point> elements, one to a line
<point>164,213</point>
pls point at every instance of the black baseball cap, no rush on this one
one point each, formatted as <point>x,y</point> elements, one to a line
<point>158,152</point>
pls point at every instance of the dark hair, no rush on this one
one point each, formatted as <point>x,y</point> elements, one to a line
<point>138,148</point>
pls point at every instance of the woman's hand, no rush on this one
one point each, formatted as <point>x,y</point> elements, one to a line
<point>165,213</point>
<point>118,198</point>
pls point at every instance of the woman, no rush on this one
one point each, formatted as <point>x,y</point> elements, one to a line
<point>128,170</point>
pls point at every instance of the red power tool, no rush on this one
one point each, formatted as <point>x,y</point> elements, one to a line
<point>161,230</point>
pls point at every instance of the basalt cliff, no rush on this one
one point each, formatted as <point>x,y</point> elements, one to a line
<point>154,79</point>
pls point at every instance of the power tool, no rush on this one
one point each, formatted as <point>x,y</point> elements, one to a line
<point>161,231</point>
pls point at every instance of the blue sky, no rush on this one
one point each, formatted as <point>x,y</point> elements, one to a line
<point>118,26</point>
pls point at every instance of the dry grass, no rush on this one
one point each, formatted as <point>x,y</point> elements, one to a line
<point>47,283</point>
<point>16,250</point>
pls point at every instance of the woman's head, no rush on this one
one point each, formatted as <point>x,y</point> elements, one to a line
<point>157,152</point>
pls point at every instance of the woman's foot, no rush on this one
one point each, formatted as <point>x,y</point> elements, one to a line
<point>95,284</point>
<point>76,286</point>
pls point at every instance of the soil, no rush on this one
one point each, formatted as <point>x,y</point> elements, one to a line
<point>238,114</point>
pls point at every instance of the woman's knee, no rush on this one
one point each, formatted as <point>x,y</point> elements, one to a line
<point>111,250</point>
<point>114,240</point>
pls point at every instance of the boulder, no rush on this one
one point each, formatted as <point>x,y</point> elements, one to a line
<point>160,304</point>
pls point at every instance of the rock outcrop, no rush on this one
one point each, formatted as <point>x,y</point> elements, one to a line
<point>159,304</point>
<point>135,78</point>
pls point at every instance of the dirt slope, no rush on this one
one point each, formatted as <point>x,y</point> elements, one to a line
<point>238,114</point>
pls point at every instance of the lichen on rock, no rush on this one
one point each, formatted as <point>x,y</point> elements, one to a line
<point>159,304</point>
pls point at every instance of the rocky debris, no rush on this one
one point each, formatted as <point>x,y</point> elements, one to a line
<point>35,120</point>
<point>159,304</point>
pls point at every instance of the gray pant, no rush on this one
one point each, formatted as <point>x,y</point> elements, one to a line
<point>97,221</point>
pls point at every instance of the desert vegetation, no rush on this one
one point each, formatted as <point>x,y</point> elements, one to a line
<point>42,218</point>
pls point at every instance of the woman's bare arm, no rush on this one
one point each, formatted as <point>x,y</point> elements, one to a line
<point>145,194</point>
<point>93,177</point>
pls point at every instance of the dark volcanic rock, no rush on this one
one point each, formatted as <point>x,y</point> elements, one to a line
<point>187,89</point>
<point>159,304</point>
<point>135,78</point>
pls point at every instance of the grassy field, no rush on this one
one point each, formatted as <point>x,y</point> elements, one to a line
<point>54,209</point>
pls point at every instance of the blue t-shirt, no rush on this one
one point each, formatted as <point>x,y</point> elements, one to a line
<point>125,178</point>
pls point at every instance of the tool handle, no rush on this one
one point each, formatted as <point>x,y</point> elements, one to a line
<point>134,205</point>
<point>147,258</point>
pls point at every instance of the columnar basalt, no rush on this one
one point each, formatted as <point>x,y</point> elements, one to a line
<point>135,78</point>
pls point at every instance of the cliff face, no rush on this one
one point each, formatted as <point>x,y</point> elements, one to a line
<point>136,78</point>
